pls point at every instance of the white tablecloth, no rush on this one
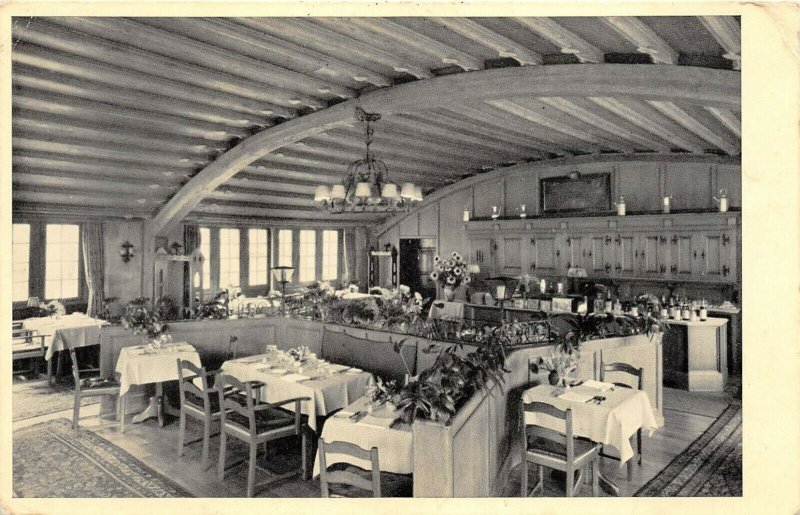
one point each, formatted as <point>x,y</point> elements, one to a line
<point>138,365</point>
<point>395,446</point>
<point>327,394</point>
<point>611,423</point>
<point>69,331</point>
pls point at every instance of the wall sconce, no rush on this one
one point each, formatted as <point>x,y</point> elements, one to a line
<point>126,251</point>
<point>574,175</point>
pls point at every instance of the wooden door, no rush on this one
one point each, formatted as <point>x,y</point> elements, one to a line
<point>595,254</point>
<point>682,262</point>
<point>545,253</point>
<point>511,253</point>
<point>625,256</point>
<point>574,250</point>
<point>653,255</point>
<point>481,253</point>
<point>714,256</point>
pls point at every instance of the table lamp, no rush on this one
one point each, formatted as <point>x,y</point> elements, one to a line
<point>283,275</point>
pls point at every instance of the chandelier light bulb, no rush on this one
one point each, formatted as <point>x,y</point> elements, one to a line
<point>408,191</point>
<point>390,191</point>
<point>322,194</point>
<point>337,192</point>
<point>363,190</point>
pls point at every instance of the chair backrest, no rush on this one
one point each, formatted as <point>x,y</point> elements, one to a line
<point>187,373</point>
<point>346,477</point>
<point>561,438</point>
<point>624,368</point>
<point>226,403</point>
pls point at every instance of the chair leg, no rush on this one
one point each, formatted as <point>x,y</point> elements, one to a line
<point>596,477</point>
<point>251,469</point>
<point>630,469</point>
<point>639,445</point>
<point>76,412</point>
<point>304,450</point>
<point>570,481</point>
<point>206,442</point>
<point>181,431</point>
<point>524,474</point>
<point>221,462</point>
<point>50,371</point>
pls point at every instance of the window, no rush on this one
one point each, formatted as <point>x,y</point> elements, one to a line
<point>61,261</point>
<point>285,247</point>
<point>205,249</point>
<point>257,239</point>
<point>307,251</point>
<point>228,257</point>
<point>20,257</point>
<point>330,255</point>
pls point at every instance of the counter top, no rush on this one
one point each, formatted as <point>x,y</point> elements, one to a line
<point>711,322</point>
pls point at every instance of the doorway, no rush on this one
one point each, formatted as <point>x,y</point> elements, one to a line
<point>416,264</point>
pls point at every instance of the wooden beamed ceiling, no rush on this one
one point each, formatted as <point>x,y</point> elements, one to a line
<point>116,116</point>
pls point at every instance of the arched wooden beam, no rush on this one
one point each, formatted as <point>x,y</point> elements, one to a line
<point>716,88</point>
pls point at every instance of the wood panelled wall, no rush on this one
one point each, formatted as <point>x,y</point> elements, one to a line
<point>692,180</point>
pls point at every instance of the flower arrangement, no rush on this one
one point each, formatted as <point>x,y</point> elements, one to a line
<point>300,354</point>
<point>560,362</point>
<point>450,272</point>
<point>140,318</point>
<point>381,392</point>
<point>54,307</point>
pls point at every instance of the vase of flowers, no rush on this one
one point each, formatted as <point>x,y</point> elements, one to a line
<point>450,273</point>
<point>54,308</point>
<point>141,318</point>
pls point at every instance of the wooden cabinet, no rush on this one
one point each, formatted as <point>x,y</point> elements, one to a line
<point>681,260</point>
<point>482,253</point>
<point>510,254</point>
<point>653,255</point>
<point>713,253</point>
<point>626,255</point>
<point>545,253</point>
<point>574,251</point>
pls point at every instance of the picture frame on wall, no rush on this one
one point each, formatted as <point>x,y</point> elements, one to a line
<point>581,194</point>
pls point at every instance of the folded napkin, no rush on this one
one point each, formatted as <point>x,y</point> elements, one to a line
<point>295,377</point>
<point>597,385</point>
<point>371,420</point>
<point>573,396</point>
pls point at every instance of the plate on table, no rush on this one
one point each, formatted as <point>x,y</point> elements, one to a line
<point>353,371</point>
<point>277,371</point>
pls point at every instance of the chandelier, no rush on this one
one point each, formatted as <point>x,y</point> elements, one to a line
<point>366,187</point>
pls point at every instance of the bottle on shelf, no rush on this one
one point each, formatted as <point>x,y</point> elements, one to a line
<point>703,311</point>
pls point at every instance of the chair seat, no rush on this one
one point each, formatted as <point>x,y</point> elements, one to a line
<point>266,420</point>
<point>537,445</point>
<point>197,402</point>
<point>392,485</point>
<point>26,347</point>
<point>98,382</point>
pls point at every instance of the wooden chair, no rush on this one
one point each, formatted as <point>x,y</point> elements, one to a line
<point>91,387</point>
<point>256,423</point>
<point>340,479</point>
<point>557,450</point>
<point>26,344</point>
<point>638,373</point>
<point>201,403</point>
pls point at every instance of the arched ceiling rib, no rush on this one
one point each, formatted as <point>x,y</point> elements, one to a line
<point>239,118</point>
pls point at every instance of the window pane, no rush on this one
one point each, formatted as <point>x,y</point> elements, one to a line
<point>330,255</point>
<point>308,249</point>
<point>228,258</point>
<point>257,239</point>
<point>61,261</point>
<point>285,247</point>
<point>20,256</point>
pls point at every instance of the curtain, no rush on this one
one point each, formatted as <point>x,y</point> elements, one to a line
<point>191,241</point>
<point>93,265</point>
<point>349,257</point>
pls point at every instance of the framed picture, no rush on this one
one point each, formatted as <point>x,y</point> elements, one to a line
<point>583,194</point>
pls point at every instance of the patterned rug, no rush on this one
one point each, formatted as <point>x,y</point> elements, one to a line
<point>52,460</point>
<point>34,398</point>
<point>710,467</point>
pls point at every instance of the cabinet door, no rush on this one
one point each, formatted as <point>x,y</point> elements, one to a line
<point>574,250</point>
<point>682,264</point>
<point>714,256</point>
<point>481,253</point>
<point>545,253</point>
<point>512,255</point>
<point>653,255</point>
<point>626,255</point>
<point>595,252</point>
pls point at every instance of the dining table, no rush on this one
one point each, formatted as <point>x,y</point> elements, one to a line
<point>63,333</point>
<point>601,412</point>
<point>379,426</point>
<point>330,386</point>
<point>148,364</point>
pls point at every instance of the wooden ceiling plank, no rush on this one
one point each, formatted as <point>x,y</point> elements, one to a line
<point>647,123</point>
<point>592,118</point>
<point>487,37</point>
<point>302,30</point>
<point>536,118</point>
<point>104,61</point>
<point>728,33</point>
<point>85,110</point>
<point>31,79</point>
<point>156,182</point>
<point>566,40</point>
<point>311,175</point>
<point>411,38</point>
<point>277,200</point>
<point>24,125</point>
<point>24,161</point>
<point>706,86</point>
<point>182,50</point>
<point>157,36</point>
<point>46,211</point>
<point>121,204</point>
<point>685,120</point>
<point>295,214</point>
<point>728,118</point>
<point>647,42</point>
<point>62,183</point>
<point>132,156</point>
<point>268,187</point>
<point>324,64</point>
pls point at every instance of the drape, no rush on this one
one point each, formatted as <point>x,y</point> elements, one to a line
<point>191,241</point>
<point>349,257</point>
<point>93,266</point>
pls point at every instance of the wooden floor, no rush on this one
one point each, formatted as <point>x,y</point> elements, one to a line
<point>687,416</point>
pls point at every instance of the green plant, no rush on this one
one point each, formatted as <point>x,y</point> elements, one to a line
<point>140,318</point>
<point>215,308</point>
<point>450,272</point>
